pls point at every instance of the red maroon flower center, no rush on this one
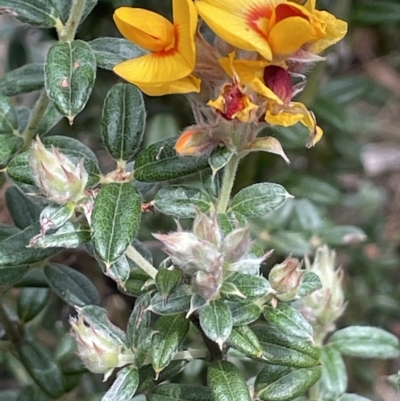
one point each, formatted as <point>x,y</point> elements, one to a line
<point>233,101</point>
<point>278,80</point>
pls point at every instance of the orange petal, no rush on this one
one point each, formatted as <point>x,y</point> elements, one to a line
<point>193,142</point>
<point>145,28</point>
<point>234,29</point>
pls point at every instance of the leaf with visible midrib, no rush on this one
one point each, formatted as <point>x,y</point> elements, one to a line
<point>115,220</point>
<point>70,73</point>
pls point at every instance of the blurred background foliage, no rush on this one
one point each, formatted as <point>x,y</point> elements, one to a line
<point>347,188</point>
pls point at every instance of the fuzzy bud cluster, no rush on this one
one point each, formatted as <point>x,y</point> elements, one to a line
<point>208,257</point>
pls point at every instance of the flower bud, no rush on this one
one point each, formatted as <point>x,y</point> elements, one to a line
<point>99,350</point>
<point>207,228</point>
<point>285,279</point>
<point>195,141</point>
<point>58,178</point>
<point>190,253</point>
<point>323,307</point>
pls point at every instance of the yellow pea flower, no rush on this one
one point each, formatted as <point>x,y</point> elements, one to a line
<point>272,27</point>
<point>273,83</point>
<point>167,69</point>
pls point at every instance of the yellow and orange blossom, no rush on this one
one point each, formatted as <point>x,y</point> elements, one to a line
<point>273,28</point>
<point>167,69</point>
<point>273,83</point>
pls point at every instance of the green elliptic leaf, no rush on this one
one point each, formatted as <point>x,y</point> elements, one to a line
<point>139,321</point>
<point>177,302</point>
<point>125,385</point>
<point>226,382</point>
<point>292,242</point>
<point>115,220</point>
<point>119,271</point>
<point>365,342</point>
<point>219,158</point>
<point>282,349</point>
<point>160,162</point>
<point>170,333</point>
<point>111,51</point>
<point>180,392</point>
<point>8,116</point>
<point>7,230</point>
<point>251,286</point>
<point>211,184</point>
<point>24,211</point>
<point>167,280</point>
<point>342,235</point>
<point>243,312</point>
<point>229,221</point>
<point>147,375</point>
<point>70,145</point>
<point>26,79</point>
<point>64,8</point>
<point>34,278</point>
<point>310,282</point>
<point>70,73</point>
<point>31,302</point>
<point>43,369</point>
<point>23,114</point>
<point>259,199</point>
<point>70,235</point>
<point>12,275</point>
<point>9,146</point>
<point>289,320</point>
<point>70,285</point>
<point>244,340</point>
<point>333,382</point>
<point>123,121</point>
<point>14,250</point>
<point>50,118</point>
<point>281,383</point>
<point>33,12</point>
<point>216,321</point>
<point>181,201</point>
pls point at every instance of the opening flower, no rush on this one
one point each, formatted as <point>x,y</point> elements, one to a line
<point>233,103</point>
<point>273,83</point>
<point>271,27</point>
<point>167,69</point>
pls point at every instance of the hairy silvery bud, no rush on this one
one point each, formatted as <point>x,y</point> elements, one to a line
<point>99,350</point>
<point>190,253</point>
<point>323,307</point>
<point>58,178</point>
<point>207,228</point>
<point>285,278</point>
